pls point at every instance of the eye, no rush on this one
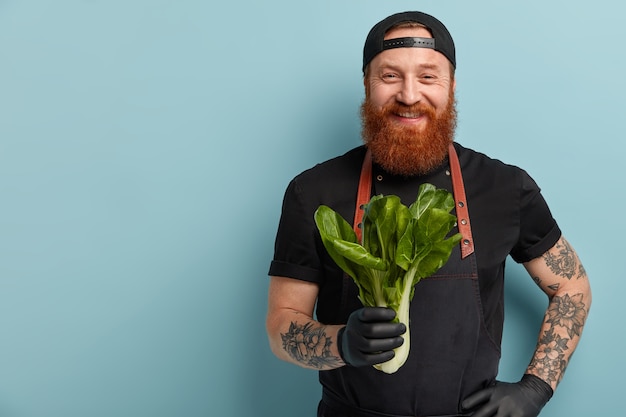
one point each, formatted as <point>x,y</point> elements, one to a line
<point>389,76</point>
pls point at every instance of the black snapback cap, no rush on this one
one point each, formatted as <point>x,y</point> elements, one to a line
<point>441,39</point>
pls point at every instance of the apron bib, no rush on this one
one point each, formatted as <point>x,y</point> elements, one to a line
<point>452,354</point>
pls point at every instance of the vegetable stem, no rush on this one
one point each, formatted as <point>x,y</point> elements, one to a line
<point>402,315</point>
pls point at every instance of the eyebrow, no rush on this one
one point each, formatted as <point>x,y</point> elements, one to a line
<point>430,66</point>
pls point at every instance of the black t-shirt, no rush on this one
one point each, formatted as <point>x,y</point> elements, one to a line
<point>507,212</point>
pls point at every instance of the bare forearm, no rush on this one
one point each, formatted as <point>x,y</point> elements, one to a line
<point>299,339</point>
<point>565,281</point>
<point>559,336</point>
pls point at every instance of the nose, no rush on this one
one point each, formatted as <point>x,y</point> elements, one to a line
<point>410,92</point>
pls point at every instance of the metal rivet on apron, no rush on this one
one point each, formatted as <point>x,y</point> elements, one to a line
<point>362,206</point>
<point>461,204</point>
<point>463,221</point>
<point>379,177</point>
<point>466,242</point>
<point>360,225</point>
<point>447,172</point>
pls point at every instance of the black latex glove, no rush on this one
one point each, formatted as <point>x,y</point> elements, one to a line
<point>521,399</point>
<point>369,337</point>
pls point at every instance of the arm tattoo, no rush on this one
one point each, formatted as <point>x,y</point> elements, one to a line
<point>565,263</point>
<point>552,287</point>
<point>567,314</point>
<point>549,361</point>
<point>309,345</point>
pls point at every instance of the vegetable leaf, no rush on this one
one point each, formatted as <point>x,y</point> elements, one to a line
<point>400,245</point>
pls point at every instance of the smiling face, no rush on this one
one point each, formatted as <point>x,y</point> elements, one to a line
<point>409,112</point>
<point>409,76</point>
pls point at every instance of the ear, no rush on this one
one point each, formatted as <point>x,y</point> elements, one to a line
<point>454,85</point>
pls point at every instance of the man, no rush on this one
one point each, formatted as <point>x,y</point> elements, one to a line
<point>409,119</point>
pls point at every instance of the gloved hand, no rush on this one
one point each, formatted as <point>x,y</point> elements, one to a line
<point>522,399</point>
<point>369,337</point>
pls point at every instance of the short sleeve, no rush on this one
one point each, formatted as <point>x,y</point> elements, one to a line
<point>295,254</point>
<point>538,231</point>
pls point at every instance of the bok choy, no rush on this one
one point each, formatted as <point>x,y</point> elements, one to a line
<point>399,246</point>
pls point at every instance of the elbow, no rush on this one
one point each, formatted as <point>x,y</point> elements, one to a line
<point>272,328</point>
<point>587,297</point>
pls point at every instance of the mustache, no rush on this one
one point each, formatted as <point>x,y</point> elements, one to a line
<point>417,108</point>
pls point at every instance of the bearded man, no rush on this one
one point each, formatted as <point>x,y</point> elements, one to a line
<point>315,319</point>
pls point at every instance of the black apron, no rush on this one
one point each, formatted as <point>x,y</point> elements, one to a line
<point>452,354</point>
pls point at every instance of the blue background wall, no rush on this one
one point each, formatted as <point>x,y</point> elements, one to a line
<point>145,147</point>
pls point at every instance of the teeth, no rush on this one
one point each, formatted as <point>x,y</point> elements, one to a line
<point>409,115</point>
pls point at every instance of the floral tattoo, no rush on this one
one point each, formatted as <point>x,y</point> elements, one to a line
<point>565,263</point>
<point>309,345</point>
<point>564,312</point>
<point>568,312</point>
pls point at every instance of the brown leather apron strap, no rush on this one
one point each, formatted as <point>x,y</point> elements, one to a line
<point>462,213</point>
<point>365,190</point>
<point>364,193</point>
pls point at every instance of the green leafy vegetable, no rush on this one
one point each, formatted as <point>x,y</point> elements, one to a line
<point>400,245</point>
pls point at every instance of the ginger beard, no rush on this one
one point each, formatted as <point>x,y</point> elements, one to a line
<point>406,150</point>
